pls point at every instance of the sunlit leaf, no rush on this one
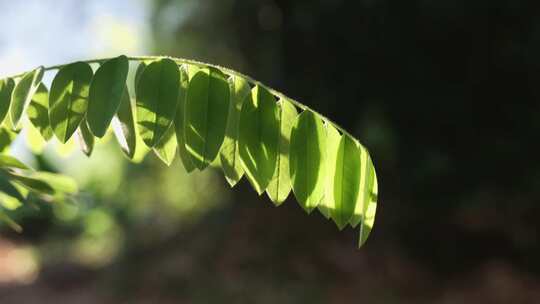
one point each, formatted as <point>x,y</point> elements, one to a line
<point>280,184</point>
<point>206,110</point>
<point>106,91</point>
<point>123,125</point>
<point>38,112</point>
<point>326,205</point>
<point>85,138</point>
<point>346,181</point>
<point>229,156</point>
<point>68,100</point>
<point>22,95</point>
<point>369,215</point>
<point>258,137</point>
<point>307,155</point>
<point>157,99</point>
<point>166,147</point>
<point>179,121</point>
<point>6,88</point>
<point>189,107</point>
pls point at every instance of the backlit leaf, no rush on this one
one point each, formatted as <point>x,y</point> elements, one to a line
<point>258,137</point>
<point>206,110</point>
<point>229,156</point>
<point>346,181</point>
<point>6,88</point>
<point>306,160</point>
<point>38,112</point>
<point>68,100</point>
<point>166,147</point>
<point>157,99</point>
<point>22,95</point>
<point>367,200</point>
<point>185,157</point>
<point>280,184</point>
<point>326,205</point>
<point>85,138</point>
<point>106,91</point>
<point>123,125</point>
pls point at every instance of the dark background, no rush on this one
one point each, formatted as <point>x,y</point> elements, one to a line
<point>445,96</point>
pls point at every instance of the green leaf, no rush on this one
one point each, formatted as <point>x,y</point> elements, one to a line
<point>7,161</point>
<point>280,184</point>
<point>68,99</point>
<point>38,112</point>
<point>123,124</point>
<point>7,136</point>
<point>185,157</point>
<point>369,207</point>
<point>106,91</point>
<point>207,106</point>
<point>333,138</point>
<point>22,95</point>
<point>307,155</point>
<point>229,156</point>
<point>157,99</point>
<point>85,138</point>
<point>346,181</point>
<point>166,147</point>
<point>258,137</point>
<point>6,88</point>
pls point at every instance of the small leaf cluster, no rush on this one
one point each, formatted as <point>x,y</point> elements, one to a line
<point>206,115</point>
